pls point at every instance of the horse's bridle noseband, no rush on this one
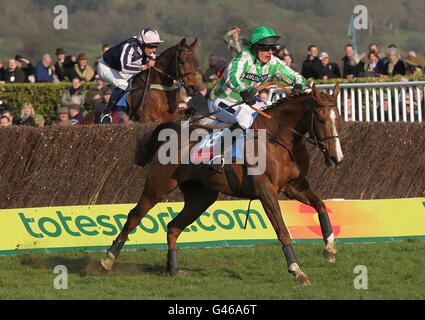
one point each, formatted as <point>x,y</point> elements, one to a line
<point>315,138</point>
<point>180,76</point>
<point>314,131</point>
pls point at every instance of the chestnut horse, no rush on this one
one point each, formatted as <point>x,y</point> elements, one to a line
<point>287,164</point>
<point>175,67</point>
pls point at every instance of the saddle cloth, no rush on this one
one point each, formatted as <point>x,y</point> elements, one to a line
<point>203,151</point>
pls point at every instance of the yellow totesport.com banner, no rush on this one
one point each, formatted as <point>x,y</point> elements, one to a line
<point>95,227</point>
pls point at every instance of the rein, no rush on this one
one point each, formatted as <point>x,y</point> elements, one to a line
<point>316,141</point>
<point>179,80</point>
<point>179,76</point>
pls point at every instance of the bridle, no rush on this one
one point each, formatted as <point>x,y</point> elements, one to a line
<point>179,79</point>
<point>315,139</point>
<point>314,130</point>
<point>179,76</point>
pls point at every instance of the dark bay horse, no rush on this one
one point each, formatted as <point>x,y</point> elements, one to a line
<point>175,67</point>
<point>287,164</point>
<point>176,64</point>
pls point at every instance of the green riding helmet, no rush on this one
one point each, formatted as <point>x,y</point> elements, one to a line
<point>263,35</point>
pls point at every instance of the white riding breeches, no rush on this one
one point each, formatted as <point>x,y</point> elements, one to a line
<point>242,114</point>
<point>112,76</point>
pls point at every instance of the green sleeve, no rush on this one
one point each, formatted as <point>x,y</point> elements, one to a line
<point>284,73</point>
<point>236,72</point>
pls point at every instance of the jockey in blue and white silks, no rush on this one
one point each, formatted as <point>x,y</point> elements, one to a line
<point>123,61</point>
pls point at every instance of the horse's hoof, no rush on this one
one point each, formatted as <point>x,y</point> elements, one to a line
<point>330,255</point>
<point>173,272</point>
<point>107,263</point>
<point>302,280</point>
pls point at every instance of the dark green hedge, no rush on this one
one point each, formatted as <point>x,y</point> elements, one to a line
<point>45,97</point>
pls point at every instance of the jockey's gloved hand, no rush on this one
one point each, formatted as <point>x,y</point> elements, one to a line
<point>297,90</point>
<point>248,97</point>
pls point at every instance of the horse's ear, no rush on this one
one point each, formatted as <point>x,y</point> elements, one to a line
<point>316,93</point>
<point>182,43</point>
<point>337,89</point>
<point>194,43</point>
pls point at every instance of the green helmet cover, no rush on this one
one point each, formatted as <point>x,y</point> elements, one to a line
<point>261,32</point>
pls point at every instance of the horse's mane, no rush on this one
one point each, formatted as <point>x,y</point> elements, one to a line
<point>282,102</point>
<point>167,51</point>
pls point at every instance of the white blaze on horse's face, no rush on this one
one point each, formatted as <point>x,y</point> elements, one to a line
<point>339,155</point>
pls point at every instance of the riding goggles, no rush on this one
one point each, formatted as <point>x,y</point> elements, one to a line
<point>266,47</point>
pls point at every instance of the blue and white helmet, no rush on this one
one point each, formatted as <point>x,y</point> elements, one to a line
<point>149,36</point>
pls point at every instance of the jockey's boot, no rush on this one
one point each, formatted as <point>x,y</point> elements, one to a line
<point>113,100</point>
<point>213,164</point>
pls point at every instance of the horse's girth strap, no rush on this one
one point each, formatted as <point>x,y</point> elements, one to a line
<point>163,88</point>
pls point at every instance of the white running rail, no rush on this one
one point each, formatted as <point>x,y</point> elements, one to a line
<point>383,102</point>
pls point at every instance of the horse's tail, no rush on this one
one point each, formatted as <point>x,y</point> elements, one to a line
<point>149,144</point>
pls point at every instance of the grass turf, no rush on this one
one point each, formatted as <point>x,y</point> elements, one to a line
<point>395,271</point>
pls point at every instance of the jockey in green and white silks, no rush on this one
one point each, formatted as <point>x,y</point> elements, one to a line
<point>250,69</point>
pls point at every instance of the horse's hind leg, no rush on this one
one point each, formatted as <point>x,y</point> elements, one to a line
<point>300,190</point>
<point>197,199</point>
<point>155,190</point>
<point>268,197</point>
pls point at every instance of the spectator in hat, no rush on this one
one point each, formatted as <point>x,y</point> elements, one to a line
<point>74,95</point>
<point>62,117</point>
<point>27,115</point>
<point>413,68</point>
<point>100,107</point>
<point>43,70</point>
<point>330,70</point>
<point>26,66</point>
<point>235,43</point>
<point>14,74</point>
<point>312,67</point>
<point>64,66</point>
<point>75,114</point>
<point>82,68</point>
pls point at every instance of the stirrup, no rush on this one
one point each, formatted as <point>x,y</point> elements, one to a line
<point>217,167</point>
<point>106,118</point>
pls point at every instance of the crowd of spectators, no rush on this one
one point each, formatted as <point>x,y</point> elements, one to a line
<point>77,69</point>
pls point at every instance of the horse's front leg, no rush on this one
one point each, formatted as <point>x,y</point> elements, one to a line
<point>269,200</point>
<point>300,190</point>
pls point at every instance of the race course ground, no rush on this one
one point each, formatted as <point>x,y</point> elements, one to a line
<point>395,271</point>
